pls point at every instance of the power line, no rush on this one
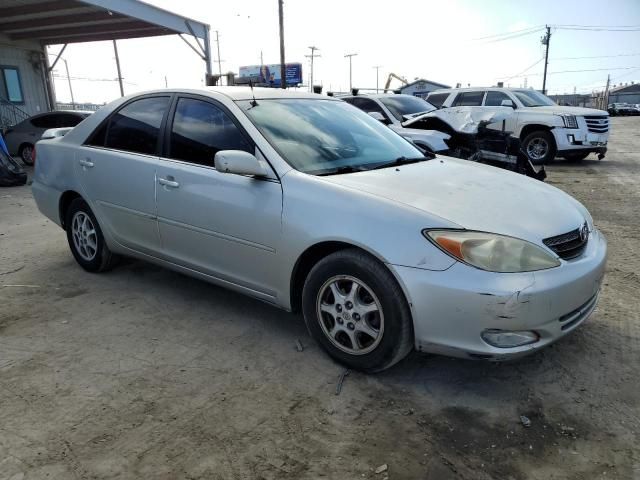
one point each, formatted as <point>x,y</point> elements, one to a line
<point>580,71</point>
<point>523,71</point>
<point>537,27</point>
<point>597,56</point>
<point>635,28</point>
<point>518,35</point>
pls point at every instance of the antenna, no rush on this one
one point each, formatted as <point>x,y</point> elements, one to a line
<point>253,103</point>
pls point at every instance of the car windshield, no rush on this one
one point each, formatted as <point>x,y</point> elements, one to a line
<point>323,137</point>
<point>404,106</point>
<point>531,98</point>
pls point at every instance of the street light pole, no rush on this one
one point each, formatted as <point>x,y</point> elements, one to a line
<point>350,55</point>
<point>312,56</point>
<point>283,67</point>
<point>66,66</point>
<point>377,67</point>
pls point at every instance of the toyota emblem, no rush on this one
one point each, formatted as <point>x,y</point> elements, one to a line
<point>584,233</point>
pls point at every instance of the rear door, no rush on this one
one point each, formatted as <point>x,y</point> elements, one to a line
<point>117,171</point>
<point>227,226</point>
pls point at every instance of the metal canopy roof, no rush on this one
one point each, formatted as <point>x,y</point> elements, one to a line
<point>71,21</point>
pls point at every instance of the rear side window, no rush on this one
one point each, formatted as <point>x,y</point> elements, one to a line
<point>68,120</point>
<point>468,99</point>
<point>494,99</point>
<point>134,128</point>
<point>200,130</point>
<point>45,121</point>
<point>437,99</point>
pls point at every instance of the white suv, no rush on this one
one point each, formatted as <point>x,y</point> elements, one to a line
<point>544,128</point>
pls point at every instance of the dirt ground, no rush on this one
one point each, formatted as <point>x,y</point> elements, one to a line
<point>142,373</point>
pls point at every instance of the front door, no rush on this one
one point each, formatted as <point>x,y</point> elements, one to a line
<point>117,169</point>
<point>224,225</point>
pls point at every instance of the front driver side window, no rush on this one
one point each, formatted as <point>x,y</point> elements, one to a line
<point>201,129</point>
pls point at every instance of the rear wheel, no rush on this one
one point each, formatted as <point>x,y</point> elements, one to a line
<point>26,153</point>
<point>540,147</point>
<point>355,309</point>
<point>85,238</point>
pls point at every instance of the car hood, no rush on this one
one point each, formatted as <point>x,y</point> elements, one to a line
<point>474,197</point>
<point>559,109</point>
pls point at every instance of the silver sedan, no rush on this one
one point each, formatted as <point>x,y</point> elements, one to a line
<point>311,205</point>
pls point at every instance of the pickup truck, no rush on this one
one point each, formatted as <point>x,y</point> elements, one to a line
<point>545,130</point>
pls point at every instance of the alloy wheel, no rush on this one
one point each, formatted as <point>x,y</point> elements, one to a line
<point>85,238</point>
<point>350,315</point>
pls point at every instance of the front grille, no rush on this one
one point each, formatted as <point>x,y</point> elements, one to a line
<point>597,123</point>
<point>568,245</point>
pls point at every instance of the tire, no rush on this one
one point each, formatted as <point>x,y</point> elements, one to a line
<point>86,240</point>
<point>547,147</point>
<point>26,154</point>
<point>576,157</point>
<point>383,336</point>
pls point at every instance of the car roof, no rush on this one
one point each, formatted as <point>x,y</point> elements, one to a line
<point>379,95</point>
<point>475,89</point>
<point>262,93</point>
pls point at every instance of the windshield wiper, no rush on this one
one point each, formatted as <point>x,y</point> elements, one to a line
<point>339,171</point>
<point>402,161</point>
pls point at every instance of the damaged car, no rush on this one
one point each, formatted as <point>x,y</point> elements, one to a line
<point>473,135</point>
<point>309,204</point>
<point>543,128</point>
<point>394,110</point>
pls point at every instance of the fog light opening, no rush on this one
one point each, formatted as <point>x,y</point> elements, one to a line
<point>571,139</point>
<point>509,339</point>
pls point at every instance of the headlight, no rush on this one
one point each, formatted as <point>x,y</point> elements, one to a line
<point>570,121</point>
<point>492,252</point>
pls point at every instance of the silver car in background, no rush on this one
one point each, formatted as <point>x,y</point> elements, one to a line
<point>21,137</point>
<point>309,204</point>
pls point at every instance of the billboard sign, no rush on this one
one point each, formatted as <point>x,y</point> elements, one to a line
<point>269,75</point>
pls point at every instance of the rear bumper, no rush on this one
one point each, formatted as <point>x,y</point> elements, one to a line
<point>452,308</point>
<point>48,201</point>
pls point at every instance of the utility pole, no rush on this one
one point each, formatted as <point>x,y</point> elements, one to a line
<point>377,67</point>
<point>283,67</point>
<point>115,49</point>
<point>312,56</point>
<point>350,56</point>
<point>545,41</point>
<point>219,60</point>
<point>606,94</point>
<point>66,66</point>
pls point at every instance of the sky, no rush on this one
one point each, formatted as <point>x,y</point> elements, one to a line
<point>471,42</point>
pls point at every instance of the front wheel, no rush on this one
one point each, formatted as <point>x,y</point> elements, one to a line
<point>355,309</point>
<point>540,147</point>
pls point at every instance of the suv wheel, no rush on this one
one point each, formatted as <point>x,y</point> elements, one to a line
<point>355,309</point>
<point>85,238</point>
<point>26,153</point>
<point>540,147</point>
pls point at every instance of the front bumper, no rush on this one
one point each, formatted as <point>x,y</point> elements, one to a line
<point>452,308</point>
<point>579,140</point>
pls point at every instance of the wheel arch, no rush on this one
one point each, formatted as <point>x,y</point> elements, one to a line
<point>309,258</point>
<point>535,127</point>
<point>65,200</point>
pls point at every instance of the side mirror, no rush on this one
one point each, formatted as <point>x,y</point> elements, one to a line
<point>238,162</point>
<point>377,116</point>
<point>507,103</point>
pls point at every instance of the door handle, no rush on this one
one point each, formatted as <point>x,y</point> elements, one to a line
<point>86,163</point>
<point>168,183</point>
